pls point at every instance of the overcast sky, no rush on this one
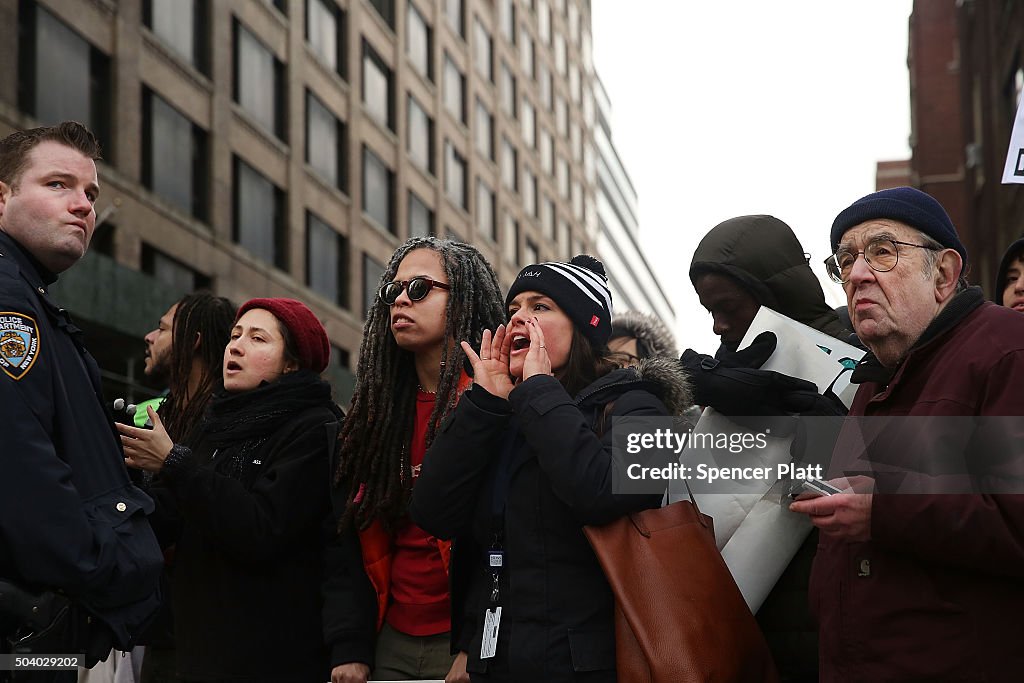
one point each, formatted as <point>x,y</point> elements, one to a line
<point>730,107</point>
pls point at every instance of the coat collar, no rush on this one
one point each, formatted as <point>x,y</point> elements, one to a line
<point>32,270</point>
<point>963,304</point>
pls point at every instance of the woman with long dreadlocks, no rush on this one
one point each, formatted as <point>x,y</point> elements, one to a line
<point>523,463</point>
<point>386,596</point>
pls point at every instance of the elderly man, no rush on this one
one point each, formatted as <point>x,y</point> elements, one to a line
<point>920,587</point>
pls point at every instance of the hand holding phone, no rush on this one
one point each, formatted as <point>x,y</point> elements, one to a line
<point>819,487</point>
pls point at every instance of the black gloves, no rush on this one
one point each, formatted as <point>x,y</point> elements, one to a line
<point>734,386</point>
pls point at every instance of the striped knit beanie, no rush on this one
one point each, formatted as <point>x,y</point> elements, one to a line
<point>580,288</point>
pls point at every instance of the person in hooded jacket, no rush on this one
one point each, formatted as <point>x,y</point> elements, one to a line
<point>519,468</point>
<point>1009,289</point>
<point>740,265</point>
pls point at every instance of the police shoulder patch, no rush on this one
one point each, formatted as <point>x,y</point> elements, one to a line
<point>19,343</point>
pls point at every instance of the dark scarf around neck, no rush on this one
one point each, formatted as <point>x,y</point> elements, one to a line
<point>236,417</point>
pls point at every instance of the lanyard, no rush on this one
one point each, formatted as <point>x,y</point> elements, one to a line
<point>499,497</point>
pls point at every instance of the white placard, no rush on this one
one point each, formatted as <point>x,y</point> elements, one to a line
<point>804,352</point>
<point>754,529</point>
<point>1013,171</point>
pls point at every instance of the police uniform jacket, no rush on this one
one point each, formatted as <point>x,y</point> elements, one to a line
<point>70,519</point>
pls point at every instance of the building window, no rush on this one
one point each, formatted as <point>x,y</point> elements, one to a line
<point>508,91</point>
<point>530,253</point>
<point>563,178</point>
<point>179,24</point>
<point>377,93</point>
<point>259,81</point>
<point>373,271</point>
<point>418,42</point>
<point>544,85</point>
<point>575,85</point>
<point>526,54</point>
<point>420,140</point>
<point>259,224</point>
<point>421,218</point>
<point>547,151</point>
<point>561,116</point>
<point>561,55</point>
<point>378,190</point>
<point>175,160</point>
<point>547,217</point>
<point>576,142</point>
<point>507,19</point>
<point>510,245</point>
<point>577,201</point>
<point>453,13</point>
<point>326,261</point>
<point>485,211</point>
<point>484,131</point>
<point>325,142</point>
<point>509,162</point>
<point>529,124</point>
<point>544,22</point>
<point>170,272</point>
<point>386,9</point>
<point>63,77</point>
<point>325,32</point>
<point>563,240</point>
<point>574,23</point>
<point>529,192</point>
<point>454,175</point>
<point>454,89</point>
<point>482,52</point>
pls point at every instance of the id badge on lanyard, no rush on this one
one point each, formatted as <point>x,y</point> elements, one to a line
<point>492,616</point>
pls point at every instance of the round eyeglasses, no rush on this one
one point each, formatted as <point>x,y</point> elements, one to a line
<point>881,253</point>
<point>418,288</point>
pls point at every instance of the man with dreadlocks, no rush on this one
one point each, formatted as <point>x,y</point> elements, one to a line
<point>187,350</point>
<point>386,594</point>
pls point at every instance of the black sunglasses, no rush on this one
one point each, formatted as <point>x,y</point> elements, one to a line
<point>418,288</point>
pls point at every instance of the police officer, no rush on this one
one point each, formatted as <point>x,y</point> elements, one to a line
<point>72,526</point>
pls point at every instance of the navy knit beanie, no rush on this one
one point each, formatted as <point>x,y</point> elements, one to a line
<point>904,204</point>
<point>580,288</point>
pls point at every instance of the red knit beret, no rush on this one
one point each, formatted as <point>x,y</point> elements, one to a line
<point>309,336</point>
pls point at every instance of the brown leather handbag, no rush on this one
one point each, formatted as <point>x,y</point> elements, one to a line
<point>679,615</point>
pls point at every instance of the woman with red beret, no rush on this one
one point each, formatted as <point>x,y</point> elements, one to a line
<point>245,506</point>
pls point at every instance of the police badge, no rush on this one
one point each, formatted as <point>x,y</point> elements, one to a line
<point>19,343</point>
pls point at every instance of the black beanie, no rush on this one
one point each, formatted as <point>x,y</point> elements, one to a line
<point>580,288</point>
<point>904,204</point>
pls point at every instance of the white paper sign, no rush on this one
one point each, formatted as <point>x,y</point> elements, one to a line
<point>1013,172</point>
<point>804,352</point>
<point>758,535</point>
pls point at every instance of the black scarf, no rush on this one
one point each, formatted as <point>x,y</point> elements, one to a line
<point>237,423</point>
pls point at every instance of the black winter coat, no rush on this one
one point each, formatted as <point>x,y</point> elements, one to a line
<point>557,608</point>
<point>70,519</point>
<point>248,560</point>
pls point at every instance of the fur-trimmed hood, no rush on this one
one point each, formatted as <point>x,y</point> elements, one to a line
<point>652,337</point>
<point>663,377</point>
